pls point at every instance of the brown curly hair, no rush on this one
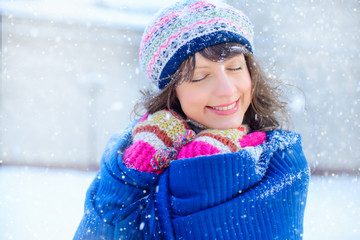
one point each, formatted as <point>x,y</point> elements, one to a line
<point>267,110</point>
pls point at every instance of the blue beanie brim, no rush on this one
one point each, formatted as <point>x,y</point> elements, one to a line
<point>195,45</point>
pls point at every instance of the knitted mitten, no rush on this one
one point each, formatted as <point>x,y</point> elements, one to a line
<point>253,139</point>
<point>214,141</point>
<point>156,141</point>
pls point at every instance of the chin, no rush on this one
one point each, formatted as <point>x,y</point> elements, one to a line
<point>233,123</point>
<point>224,126</point>
<point>221,123</point>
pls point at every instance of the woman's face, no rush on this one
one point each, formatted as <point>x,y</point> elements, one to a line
<point>219,93</point>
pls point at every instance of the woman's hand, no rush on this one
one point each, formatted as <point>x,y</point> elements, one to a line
<point>156,140</point>
<point>213,141</point>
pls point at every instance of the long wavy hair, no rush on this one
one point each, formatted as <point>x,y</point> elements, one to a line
<point>267,110</point>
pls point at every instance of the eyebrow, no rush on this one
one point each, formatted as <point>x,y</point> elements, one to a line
<point>200,67</point>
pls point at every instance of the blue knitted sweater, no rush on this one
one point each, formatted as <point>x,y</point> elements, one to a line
<point>257,193</point>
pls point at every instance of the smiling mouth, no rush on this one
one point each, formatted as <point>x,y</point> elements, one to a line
<point>231,106</point>
<point>225,107</point>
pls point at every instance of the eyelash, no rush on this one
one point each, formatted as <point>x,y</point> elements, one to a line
<point>236,69</point>
<point>231,69</point>
<point>198,80</point>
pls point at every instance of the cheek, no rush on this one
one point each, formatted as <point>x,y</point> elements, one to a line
<point>191,101</point>
<point>246,86</point>
<point>184,94</point>
<point>246,89</point>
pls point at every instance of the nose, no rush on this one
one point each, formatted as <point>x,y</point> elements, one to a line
<point>224,87</point>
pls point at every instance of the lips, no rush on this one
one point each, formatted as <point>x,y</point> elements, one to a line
<point>228,107</point>
<point>225,109</point>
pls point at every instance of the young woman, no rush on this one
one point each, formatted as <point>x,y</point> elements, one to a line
<point>209,159</point>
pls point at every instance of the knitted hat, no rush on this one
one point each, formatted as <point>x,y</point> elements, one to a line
<point>185,28</point>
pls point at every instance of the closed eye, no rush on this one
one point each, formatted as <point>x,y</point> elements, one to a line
<point>200,79</point>
<point>236,69</point>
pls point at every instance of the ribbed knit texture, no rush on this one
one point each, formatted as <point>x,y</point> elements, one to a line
<point>257,193</point>
<point>222,198</point>
<point>185,27</point>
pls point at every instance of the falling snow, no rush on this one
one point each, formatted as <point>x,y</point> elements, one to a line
<point>33,208</point>
<point>70,78</point>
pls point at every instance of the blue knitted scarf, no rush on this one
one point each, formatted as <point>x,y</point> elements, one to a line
<point>257,193</point>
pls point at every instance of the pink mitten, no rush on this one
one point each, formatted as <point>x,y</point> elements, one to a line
<point>156,140</point>
<point>213,141</point>
<point>253,139</point>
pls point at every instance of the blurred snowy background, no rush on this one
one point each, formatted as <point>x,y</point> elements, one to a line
<point>70,77</point>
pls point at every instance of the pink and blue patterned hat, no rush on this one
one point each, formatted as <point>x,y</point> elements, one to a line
<point>186,27</point>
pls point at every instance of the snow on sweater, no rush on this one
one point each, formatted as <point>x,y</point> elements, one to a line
<point>259,192</point>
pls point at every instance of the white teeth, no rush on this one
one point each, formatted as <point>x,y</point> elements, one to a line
<point>225,108</point>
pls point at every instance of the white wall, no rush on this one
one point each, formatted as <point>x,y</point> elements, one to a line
<point>66,87</point>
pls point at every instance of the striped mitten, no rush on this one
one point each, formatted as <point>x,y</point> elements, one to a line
<point>215,141</point>
<point>156,141</point>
